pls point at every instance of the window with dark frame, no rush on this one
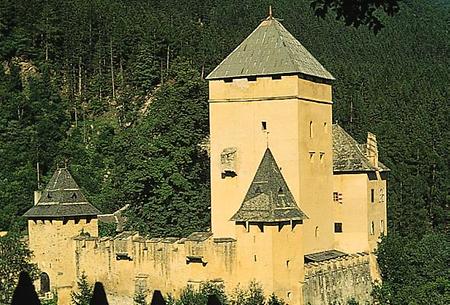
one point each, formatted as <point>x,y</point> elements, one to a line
<point>338,227</point>
<point>264,125</point>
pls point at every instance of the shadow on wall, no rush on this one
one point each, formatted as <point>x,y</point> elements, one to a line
<point>25,294</point>
<point>98,295</point>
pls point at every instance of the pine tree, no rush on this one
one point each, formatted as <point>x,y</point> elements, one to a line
<point>84,293</point>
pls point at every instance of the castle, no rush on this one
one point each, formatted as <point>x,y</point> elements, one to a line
<point>296,203</point>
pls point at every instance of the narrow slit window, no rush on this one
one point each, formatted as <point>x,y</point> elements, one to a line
<point>321,156</point>
<point>372,195</point>
<point>264,126</point>
<point>372,228</point>
<point>311,156</point>
<point>382,226</point>
<point>310,129</point>
<point>325,127</point>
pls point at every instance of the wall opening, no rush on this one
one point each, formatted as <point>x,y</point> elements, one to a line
<point>325,127</point>
<point>251,78</point>
<point>264,126</point>
<point>372,195</point>
<point>316,232</point>
<point>276,76</point>
<point>338,227</point>
<point>382,226</point>
<point>44,281</point>
<point>310,129</point>
<point>372,228</point>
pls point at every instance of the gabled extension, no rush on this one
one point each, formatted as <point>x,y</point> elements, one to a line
<point>268,198</point>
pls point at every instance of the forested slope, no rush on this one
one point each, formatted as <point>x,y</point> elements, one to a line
<point>115,87</point>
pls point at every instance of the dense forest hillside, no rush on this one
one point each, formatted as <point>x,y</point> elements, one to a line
<point>109,86</point>
<point>116,90</point>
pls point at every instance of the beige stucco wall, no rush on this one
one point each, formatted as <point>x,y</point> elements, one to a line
<point>357,212</point>
<point>53,250</point>
<point>162,264</point>
<point>287,106</point>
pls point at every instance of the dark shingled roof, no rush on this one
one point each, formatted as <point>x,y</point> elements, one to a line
<point>62,198</point>
<point>268,198</point>
<point>269,50</point>
<point>349,156</point>
<point>324,256</point>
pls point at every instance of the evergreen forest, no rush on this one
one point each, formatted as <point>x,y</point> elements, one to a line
<point>115,90</point>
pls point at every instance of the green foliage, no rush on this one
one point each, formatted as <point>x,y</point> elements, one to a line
<point>14,258</point>
<point>166,179</point>
<point>106,229</point>
<point>84,293</point>
<point>139,297</point>
<point>253,295</point>
<point>414,271</point>
<point>352,301</point>
<point>192,296</point>
<point>356,13</point>
<point>274,300</point>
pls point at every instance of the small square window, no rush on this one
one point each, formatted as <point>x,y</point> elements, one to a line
<point>338,227</point>
<point>337,197</point>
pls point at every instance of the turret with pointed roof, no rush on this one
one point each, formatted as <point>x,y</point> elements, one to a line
<point>269,50</point>
<point>62,197</point>
<point>268,199</point>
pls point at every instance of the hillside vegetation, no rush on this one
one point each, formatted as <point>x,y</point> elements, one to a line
<point>115,89</point>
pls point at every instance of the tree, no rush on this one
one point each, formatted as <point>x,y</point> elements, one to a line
<point>414,271</point>
<point>274,300</point>
<point>84,294</point>
<point>165,177</point>
<point>99,295</point>
<point>139,297</point>
<point>25,292</point>
<point>14,259</point>
<point>357,12</point>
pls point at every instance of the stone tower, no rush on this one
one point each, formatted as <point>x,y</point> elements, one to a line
<point>271,92</point>
<point>60,213</point>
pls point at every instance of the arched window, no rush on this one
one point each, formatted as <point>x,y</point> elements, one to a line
<point>316,232</point>
<point>44,282</point>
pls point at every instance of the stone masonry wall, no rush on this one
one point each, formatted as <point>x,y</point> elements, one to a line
<point>336,281</point>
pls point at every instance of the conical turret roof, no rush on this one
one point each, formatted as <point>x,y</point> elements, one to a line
<point>62,197</point>
<point>268,198</point>
<point>269,50</point>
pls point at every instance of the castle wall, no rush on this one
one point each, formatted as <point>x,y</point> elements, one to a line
<point>129,262</point>
<point>337,281</point>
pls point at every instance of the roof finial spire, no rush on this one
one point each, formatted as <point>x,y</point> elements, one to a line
<point>270,12</point>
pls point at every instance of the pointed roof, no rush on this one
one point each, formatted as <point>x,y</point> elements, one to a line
<point>269,50</point>
<point>349,155</point>
<point>62,197</point>
<point>268,199</point>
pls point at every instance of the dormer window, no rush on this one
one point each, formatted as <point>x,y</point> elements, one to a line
<point>258,190</point>
<point>74,196</point>
<point>280,192</point>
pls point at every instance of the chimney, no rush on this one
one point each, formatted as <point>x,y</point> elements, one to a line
<point>37,196</point>
<point>372,149</point>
